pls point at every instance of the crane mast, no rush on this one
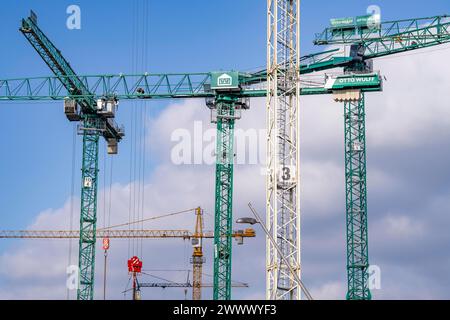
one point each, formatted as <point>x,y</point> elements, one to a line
<point>225,109</point>
<point>197,256</point>
<point>283,148</point>
<point>224,197</point>
<point>356,200</point>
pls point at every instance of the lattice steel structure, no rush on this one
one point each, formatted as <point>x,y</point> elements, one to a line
<point>283,152</point>
<point>82,95</point>
<point>356,200</point>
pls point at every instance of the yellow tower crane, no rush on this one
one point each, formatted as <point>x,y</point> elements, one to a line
<point>196,238</point>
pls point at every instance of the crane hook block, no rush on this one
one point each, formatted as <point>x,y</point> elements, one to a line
<point>134,265</point>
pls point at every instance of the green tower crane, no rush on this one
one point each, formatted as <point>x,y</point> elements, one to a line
<point>226,115</point>
<point>369,38</point>
<point>95,121</point>
<point>356,200</point>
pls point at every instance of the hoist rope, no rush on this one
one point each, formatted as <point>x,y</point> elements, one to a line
<point>126,288</point>
<point>145,15</point>
<point>147,219</point>
<point>130,199</point>
<point>72,195</point>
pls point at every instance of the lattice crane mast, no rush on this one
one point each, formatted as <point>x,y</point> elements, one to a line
<point>283,148</point>
<point>197,259</point>
<point>369,39</point>
<point>96,118</point>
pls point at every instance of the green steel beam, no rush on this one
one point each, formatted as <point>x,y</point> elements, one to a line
<point>226,115</point>
<point>321,61</point>
<point>356,201</point>
<point>144,86</point>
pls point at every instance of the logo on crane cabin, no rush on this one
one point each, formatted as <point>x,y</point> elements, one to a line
<point>224,80</point>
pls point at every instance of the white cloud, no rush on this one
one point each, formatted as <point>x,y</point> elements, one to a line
<point>400,226</point>
<point>321,187</point>
<point>329,291</point>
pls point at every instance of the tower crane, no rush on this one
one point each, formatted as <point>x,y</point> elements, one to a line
<point>134,264</point>
<point>369,39</point>
<point>93,101</point>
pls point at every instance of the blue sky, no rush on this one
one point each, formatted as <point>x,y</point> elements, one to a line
<point>184,36</point>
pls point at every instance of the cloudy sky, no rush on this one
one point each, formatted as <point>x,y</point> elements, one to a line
<point>408,140</point>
